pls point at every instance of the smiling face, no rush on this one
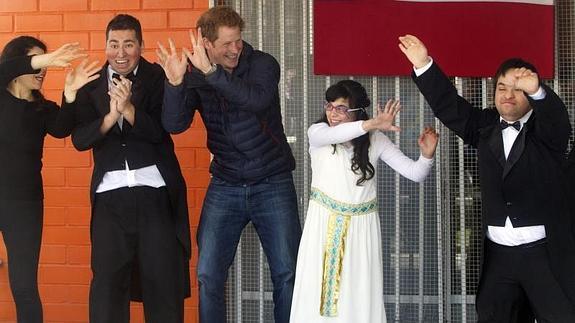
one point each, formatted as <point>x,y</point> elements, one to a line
<point>334,117</point>
<point>511,103</point>
<point>227,47</point>
<point>123,50</point>
<point>32,81</point>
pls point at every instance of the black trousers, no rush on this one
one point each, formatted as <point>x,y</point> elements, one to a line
<point>514,276</point>
<point>21,226</point>
<point>135,227</point>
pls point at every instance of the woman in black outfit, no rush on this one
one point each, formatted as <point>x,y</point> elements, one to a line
<point>25,119</point>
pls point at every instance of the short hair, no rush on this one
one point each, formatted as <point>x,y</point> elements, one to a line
<point>125,22</point>
<point>512,63</point>
<point>216,17</point>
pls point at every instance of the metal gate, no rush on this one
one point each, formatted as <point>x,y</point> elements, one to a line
<point>431,231</point>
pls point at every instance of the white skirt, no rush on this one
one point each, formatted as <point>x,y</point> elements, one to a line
<point>360,287</point>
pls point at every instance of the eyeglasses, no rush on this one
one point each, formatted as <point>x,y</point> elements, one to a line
<point>339,108</point>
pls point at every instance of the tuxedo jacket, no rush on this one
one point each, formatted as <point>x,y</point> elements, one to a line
<point>142,144</point>
<point>529,186</point>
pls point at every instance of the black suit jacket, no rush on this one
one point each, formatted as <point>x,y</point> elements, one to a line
<point>144,144</point>
<point>528,187</point>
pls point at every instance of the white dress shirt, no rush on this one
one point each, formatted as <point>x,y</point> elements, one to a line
<point>145,176</point>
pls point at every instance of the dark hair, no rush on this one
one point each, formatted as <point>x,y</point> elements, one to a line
<point>125,22</point>
<point>358,99</point>
<point>20,46</point>
<point>211,20</point>
<point>511,64</point>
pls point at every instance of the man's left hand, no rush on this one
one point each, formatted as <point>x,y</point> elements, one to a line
<point>525,80</point>
<point>198,57</point>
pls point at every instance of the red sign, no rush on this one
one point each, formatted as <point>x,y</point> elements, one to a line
<point>467,38</point>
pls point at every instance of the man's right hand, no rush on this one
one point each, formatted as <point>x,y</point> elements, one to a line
<point>414,50</point>
<point>174,65</point>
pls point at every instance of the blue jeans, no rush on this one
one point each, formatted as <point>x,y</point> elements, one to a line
<point>271,205</point>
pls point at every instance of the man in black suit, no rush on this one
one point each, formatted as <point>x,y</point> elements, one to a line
<point>139,228</point>
<point>529,248</point>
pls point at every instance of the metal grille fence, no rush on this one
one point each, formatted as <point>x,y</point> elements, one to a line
<point>431,231</point>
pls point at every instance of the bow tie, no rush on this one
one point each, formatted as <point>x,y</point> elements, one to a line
<point>504,124</point>
<point>130,76</point>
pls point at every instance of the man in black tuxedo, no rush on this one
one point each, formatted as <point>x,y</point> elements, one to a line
<point>528,247</point>
<point>139,229</point>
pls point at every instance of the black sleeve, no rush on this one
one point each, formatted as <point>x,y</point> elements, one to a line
<point>451,109</point>
<point>180,104</point>
<point>60,121</point>
<point>15,67</point>
<point>148,117</point>
<point>552,120</point>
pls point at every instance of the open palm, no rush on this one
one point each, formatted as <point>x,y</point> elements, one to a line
<point>385,118</point>
<point>174,65</point>
<point>81,75</point>
<point>62,56</point>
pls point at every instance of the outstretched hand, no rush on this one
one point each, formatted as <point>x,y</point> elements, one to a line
<point>414,50</point>
<point>385,119</point>
<point>428,142</point>
<point>174,65</point>
<point>61,57</point>
<point>76,78</point>
<point>198,57</point>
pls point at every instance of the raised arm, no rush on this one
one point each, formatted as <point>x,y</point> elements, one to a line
<point>81,75</point>
<point>17,66</point>
<point>551,120</point>
<point>451,109</point>
<point>179,103</point>
<point>321,134</point>
<point>61,122</point>
<point>255,93</point>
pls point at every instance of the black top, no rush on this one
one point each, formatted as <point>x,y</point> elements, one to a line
<point>23,126</point>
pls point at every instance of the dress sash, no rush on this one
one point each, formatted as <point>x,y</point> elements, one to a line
<point>338,223</point>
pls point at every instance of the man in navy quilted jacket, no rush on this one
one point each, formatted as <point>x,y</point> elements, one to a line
<point>235,89</point>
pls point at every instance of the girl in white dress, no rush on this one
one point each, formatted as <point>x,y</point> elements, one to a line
<point>339,275</point>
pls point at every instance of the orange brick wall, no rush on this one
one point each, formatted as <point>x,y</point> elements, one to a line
<point>64,273</point>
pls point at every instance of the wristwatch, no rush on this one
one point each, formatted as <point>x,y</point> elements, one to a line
<point>212,70</point>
